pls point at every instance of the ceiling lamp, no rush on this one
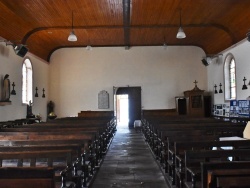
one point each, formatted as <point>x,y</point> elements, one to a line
<point>72,37</point>
<point>180,34</point>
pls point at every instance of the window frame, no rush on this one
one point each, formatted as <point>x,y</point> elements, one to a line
<point>28,84</point>
<point>227,77</point>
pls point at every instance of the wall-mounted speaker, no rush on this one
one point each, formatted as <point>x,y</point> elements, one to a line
<point>204,61</point>
<point>248,36</point>
<point>20,50</point>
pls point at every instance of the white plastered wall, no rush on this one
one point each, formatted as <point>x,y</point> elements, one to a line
<point>78,75</point>
<point>216,72</point>
<point>11,64</point>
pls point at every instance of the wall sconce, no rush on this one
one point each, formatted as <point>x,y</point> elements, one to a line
<point>215,90</point>
<point>43,96</point>
<point>36,94</point>
<point>220,91</point>
<point>244,86</point>
<point>13,92</point>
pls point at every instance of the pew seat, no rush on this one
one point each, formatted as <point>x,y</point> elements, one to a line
<point>27,177</point>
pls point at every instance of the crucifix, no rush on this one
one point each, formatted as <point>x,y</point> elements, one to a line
<point>195,82</point>
<point>43,96</point>
<point>215,90</point>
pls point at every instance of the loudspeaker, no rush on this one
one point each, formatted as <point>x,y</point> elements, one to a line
<point>20,50</point>
<point>204,61</point>
<point>248,36</point>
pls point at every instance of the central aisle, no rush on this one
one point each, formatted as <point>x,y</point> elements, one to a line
<point>129,163</point>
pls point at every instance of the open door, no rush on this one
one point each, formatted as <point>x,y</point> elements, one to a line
<point>134,102</point>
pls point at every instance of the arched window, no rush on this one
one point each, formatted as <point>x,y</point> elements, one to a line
<point>230,77</point>
<point>27,79</point>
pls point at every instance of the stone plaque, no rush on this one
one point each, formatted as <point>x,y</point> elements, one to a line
<point>103,100</point>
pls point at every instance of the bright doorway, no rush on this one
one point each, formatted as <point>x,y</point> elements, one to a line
<point>122,110</point>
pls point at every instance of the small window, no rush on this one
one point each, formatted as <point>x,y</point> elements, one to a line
<point>27,79</point>
<point>230,77</point>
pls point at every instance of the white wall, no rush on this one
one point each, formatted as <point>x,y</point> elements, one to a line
<point>78,75</point>
<point>241,53</point>
<point>11,64</point>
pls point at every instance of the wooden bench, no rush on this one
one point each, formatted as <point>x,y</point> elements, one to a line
<point>177,156</point>
<point>157,137</point>
<point>194,158</point>
<point>27,177</point>
<point>87,138</point>
<point>169,159</point>
<point>86,114</point>
<point>225,174</point>
<point>33,155</point>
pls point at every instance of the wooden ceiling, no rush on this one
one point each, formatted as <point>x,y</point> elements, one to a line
<point>44,25</point>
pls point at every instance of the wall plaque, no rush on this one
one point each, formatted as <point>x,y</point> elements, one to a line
<point>103,100</point>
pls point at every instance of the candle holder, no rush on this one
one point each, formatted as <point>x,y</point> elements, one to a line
<point>215,90</point>
<point>13,92</point>
<point>244,86</point>
<point>43,96</point>
<point>36,94</point>
<point>220,91</point>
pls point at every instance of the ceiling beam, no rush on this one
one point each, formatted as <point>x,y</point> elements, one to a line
<point>127,36</point>
<point>126,23</point>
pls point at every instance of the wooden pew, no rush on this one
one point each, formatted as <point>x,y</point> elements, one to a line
<point>157,137</point>
<point>27,177</point>
<point>86,139</point>
<point>177,156</point>
<point>225,174</point>
<point>29,153</point>
<point>57,159</point>
<point>70,133</point>
<point>47,135</point>
<point>187,137</point>
<point>162,132</point>
<point>86,114</point>
<point>77,149</point>
<point>34,155</point>
<point>194,158</point>
<point>93,136</point>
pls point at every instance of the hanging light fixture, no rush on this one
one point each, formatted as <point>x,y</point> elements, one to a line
<point>72,37</point>
<point>180,34</point>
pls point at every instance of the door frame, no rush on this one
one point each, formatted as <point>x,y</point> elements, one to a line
<point>131,92</point>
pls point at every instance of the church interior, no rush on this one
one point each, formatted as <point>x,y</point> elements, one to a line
<point>180,67</point>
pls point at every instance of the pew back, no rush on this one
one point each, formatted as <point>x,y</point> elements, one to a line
<point>27,177</point>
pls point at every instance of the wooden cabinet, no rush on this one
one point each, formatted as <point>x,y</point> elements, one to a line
<point>195,102</point>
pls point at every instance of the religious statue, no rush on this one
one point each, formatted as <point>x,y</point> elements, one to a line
<point>50,107</point>
<point>29,110</point>
<point>6,88</point>
<point>51,113</point>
